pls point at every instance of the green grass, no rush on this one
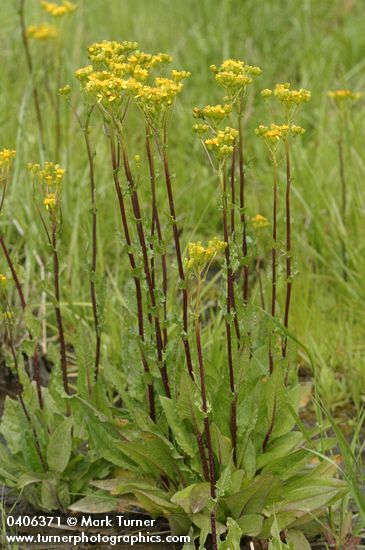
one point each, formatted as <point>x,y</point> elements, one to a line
<point>317,45</point>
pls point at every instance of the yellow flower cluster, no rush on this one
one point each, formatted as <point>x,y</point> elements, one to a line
<point>49,177</point>
<point>234,75</point>
<point>259,222</point>
<point>201,128</point>
<point>50,201</point>
<point>344,95</point>
<point>213,112</point>
<point>43,31</point>
<point>6,158</point>
<point>3,279</point>
<point>122,71</point>
<point>223,142</point>
<point>58,10</point>
<point>287,96</point>
<point>200,256</point>
<point>275,132</point>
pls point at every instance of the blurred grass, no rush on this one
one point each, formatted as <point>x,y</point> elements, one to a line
<point>317,45</point>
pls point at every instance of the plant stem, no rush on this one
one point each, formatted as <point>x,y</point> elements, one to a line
<point>242,201</point>
<point>56,277</point>
<point>155,223</point>
<point>343,203</point>
<point>273,256</point>
<point>230,302</point>
<point>289,282</point>
<point>18,286</point>
<point>205,411</point>
<point>22,403</point>
<point>142,240</point>
<point>178,255</point>
<point>137,282</point>
<point>94,244</point>
<point>31,73</point>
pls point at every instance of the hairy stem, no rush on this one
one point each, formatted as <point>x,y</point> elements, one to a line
<point>132,262</point>
<point>178,255</point>
<point>155,224</point>
<point>205,412</point>
<point>288,245</point>
<point>94,244</point>
<point>273,256</point>
<point>56,282</point>
<point>243,201</point>
<point>146,266</point>
<point>229,310</point>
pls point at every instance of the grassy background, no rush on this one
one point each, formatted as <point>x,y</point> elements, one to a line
<point>317,45</point>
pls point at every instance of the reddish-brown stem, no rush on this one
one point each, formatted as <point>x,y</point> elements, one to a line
<point>146,266</point>
<point>31,73</point>
<point>288,246</point>
<point>178,256</point>
<point>233,194</point>
<point>243,203</point>
<point>137,282</point>
<point>94,245</point>
<point>273,258</point>
<point>18,286</point>
<point>57,307</point>
<point>230,309</point>
<point>155,224</point>
<point>206,426</point>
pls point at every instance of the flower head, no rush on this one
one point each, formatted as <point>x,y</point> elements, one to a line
<point>234,75</point>
<point>345,95</point>
<point>223,142</point>
<point>47,179</point>
<point>259,222</point>
<point>6,158</point>
<point>50,201</point>
<point>43,31</point>
<point>58,10</point>
<point>199,256</point>
<point>213,112</point>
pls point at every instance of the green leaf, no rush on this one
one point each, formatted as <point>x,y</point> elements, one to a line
<point>60,446</point>
<point>194,498</point>
<point>233,538</point>
<point>183,437</point>
<point>97,503</point>
<point>250,524</point>
<point>297,540</point>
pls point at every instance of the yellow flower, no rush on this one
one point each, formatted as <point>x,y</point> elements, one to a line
<point>6,157</point>
<point>259,222</point>
<point>223,142</point>
<point>286,95</point>
<point>213,112</point>
<point>3,279</point>
<point>200,256</point>
<point>50,201</point>
<point>43,31</point>
<point>58,10</point>
<point>234,75</point>
<point>65,90</point>
<point>275,132</point>
<point>344,95</point>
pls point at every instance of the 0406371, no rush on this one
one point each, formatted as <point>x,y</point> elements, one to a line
<point>33,521</point>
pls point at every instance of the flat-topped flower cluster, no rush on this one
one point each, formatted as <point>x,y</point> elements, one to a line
<point>120,71</point>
